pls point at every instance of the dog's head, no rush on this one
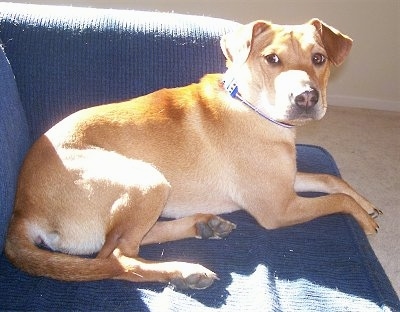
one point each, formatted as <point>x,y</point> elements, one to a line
<point>283,70</point>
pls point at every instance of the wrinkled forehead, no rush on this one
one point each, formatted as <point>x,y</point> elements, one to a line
<point>304,36</point>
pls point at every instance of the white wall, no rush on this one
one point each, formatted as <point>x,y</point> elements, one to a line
<point>370,77</point>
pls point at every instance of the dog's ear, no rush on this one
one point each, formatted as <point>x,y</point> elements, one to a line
<point>236,46</point>
<point>336,44</point>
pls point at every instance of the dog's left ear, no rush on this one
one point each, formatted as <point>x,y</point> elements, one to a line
<point>236,46</point>
<point>336,44</point>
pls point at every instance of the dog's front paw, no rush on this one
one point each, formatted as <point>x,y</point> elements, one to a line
<point>376,213</point>
<point>369,225</point>
<point>215,228</point>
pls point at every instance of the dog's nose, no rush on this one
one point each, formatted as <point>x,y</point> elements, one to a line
<point>307,99</point>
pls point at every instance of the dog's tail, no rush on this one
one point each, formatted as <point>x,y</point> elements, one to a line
<point>21,250</point>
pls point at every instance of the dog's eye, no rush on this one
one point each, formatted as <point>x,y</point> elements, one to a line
<point>273,59</point>
<point>318,59</point>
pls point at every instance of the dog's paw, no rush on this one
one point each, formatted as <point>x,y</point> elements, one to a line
<point>201,279</point>
<point>215,228</point>
<point>369,225</point>
<point>376,213</point>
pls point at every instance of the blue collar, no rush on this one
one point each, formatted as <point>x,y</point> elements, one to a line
<point>231,86</point>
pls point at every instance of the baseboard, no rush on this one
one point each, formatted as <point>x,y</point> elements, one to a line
<point>358,102</point>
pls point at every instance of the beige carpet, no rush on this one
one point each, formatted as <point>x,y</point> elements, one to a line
<point>366,147</point>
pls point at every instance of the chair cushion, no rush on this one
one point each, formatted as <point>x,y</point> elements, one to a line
<point>323,265</point>
<point>67,58</point>
<point>14,141</point>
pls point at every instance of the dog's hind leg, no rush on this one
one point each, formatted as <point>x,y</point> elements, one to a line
<point>135,213</point>
<point>181,274</point>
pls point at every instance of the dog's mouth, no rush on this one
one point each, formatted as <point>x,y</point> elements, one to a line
<point>299,115</point>
<point>297,109</point>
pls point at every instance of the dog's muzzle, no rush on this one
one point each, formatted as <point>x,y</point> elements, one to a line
<point>297,97</point>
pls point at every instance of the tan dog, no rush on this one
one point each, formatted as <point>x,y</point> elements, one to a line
<point>100,179</point>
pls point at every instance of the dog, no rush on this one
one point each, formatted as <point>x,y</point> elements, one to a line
<point>99,180</point>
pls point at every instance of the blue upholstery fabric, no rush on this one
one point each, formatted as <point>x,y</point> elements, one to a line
<point>84,57</point>
<point>14,140</point>
<point>323,265</point>
<point>65,59</point>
